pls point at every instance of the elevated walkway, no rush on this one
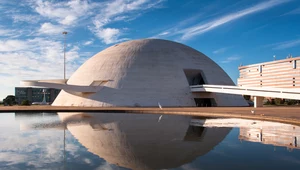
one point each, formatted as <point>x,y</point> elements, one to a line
<point>257,92</point>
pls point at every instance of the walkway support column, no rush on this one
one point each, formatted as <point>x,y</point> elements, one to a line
<point>258,101</point>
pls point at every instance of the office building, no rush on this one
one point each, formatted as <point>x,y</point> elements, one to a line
<point>35,94</point>
<point>278,74</point>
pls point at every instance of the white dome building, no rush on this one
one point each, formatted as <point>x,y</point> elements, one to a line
<point>147,72</point>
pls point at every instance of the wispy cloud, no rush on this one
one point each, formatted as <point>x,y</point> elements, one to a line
<point>25,18</point>
<point>48,28</point>
<point>293,12</point>
<point>66,13</point>
<point>164,33</point>
<point>231,59</point>
<point>88,42</point>
<point>5,32</point>
<point>221,50</point>
<point>114,11</point>
<point>285,44</point>
<point>203,27</point>
<point>12,45</point>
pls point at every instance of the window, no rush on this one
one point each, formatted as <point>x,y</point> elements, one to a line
<point>294,64</point>
<point>260,68</point>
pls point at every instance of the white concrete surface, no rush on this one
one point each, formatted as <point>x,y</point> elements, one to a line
<point>58,84</point>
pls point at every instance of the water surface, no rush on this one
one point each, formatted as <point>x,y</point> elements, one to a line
<point>144,141</point>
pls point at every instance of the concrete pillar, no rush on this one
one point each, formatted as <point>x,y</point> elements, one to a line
<point>29,94</point>
<point>258,101</point>
<point>52,95</point>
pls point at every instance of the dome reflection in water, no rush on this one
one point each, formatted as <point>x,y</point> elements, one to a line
<point>140,141</point>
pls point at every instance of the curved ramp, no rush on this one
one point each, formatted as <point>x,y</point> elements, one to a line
<point>61,84</point>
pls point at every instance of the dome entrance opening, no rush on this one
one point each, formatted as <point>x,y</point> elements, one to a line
<point>194,77</point>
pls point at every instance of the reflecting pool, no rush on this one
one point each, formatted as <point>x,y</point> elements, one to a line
<point>116,141</point>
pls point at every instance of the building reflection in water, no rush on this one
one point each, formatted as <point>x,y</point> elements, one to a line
<point>266,132</point>
<point>149,141</point>
<point>138,141</point>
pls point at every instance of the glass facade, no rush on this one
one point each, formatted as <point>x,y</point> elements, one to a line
<point>35,94</point>
<point>21,94</point>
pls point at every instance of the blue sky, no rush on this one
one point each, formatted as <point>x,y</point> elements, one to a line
<point>230,32</point>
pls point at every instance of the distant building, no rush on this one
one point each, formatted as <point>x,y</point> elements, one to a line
<point>35,94</point>
<point>278,74</point>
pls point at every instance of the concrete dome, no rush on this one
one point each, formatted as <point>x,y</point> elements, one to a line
<point>145,72</point>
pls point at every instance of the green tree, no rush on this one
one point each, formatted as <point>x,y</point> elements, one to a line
<point>25,103</point>
<point>10,100</point>
<point>277,101</point>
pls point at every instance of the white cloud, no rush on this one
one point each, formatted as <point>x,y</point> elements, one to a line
<point>48,28</point>
<point>202,28</point>
<point>12,45</point>
<point>220,51</point>
<point>108,35</point>
<point>70,19</point>
<point>73,54</point>
<point>189,32</point>
<point>5,32</point>
<point>66,13</point>
<point>117,10</point>
<point>231,59</point>
<point>88,42</point>
<point>25,18</point>
<point>118,7</point>
<point>164,33</point>
<point>121,18</point>
<point>285,45</point>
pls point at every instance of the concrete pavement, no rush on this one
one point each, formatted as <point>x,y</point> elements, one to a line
<point>279,114</point>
